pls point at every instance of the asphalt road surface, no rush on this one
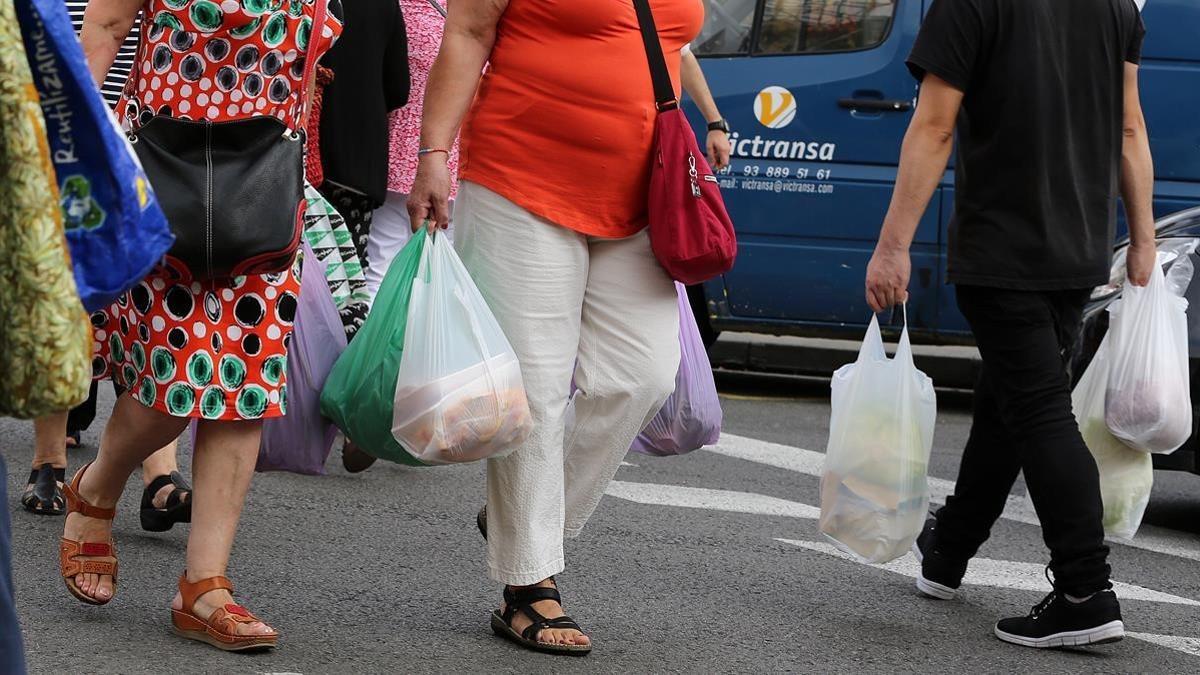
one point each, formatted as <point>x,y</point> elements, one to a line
<point>706,563</point>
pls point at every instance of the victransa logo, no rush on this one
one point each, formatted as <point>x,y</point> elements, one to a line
<point>775,107</point>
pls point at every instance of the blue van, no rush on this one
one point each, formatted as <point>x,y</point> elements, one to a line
<point>819,98</point>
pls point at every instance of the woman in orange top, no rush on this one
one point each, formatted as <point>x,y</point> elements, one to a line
<point>550,219</point>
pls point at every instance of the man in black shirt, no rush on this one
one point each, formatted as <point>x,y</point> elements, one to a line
<point>1049,124</point>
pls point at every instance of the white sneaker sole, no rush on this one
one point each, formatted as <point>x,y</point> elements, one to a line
<point>1113,631</point>
<point>932,589</point>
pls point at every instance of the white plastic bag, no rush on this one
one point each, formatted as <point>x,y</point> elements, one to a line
<point>874,496</point>
<point>459,394</point>
<point>1148,403</point>
<point>1126,475</point>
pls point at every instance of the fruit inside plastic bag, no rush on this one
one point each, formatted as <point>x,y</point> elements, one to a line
<point>874,492</point>
<point>1148,401</point>
<point>1126,475</point>
<point>463,416</point>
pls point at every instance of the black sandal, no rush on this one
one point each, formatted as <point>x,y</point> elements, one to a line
<point>177,510</point>
<point>43,494</point>
<point>75,440</point>
<point>521,600</point>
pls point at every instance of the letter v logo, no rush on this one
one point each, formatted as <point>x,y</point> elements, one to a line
<point>775,107</point>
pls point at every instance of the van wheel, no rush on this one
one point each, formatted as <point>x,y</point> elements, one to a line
<point>700,309</point>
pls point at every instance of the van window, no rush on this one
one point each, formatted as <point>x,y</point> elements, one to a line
<point>808,26</point>
<point>727,26</point>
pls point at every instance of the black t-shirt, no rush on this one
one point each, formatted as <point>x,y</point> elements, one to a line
<point>1039,135</point>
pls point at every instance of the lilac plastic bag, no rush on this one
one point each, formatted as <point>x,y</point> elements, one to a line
<point>691,417</point>
<point>301,440</point>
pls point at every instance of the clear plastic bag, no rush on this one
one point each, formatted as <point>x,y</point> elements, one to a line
<point>1126,475</point>
<point>874,494</point>
<point>691,417</point>
<point>1148,403</point>
<point>459,394</point>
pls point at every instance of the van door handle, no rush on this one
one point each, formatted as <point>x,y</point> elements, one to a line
<point>876,104</point>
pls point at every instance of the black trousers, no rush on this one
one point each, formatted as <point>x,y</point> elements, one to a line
<point>1023,422</point>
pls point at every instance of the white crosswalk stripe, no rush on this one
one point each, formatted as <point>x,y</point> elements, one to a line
<point>998,574</point>
<point>1187,645</point>
<point>714,500</point>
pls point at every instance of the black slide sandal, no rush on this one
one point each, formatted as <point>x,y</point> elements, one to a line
<point>177,510</point>
<point>521,600</point>
<point>43,494</point>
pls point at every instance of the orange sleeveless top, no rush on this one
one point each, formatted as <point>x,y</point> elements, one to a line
<point>563,121</point>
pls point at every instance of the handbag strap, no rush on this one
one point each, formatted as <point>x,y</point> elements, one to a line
<point>440,10</point>
<point>664,92</point>
<point>320,7</point>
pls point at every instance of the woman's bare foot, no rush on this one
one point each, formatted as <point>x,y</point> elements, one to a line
<point>160,498</point>
<point>551,610</point>
<point>210,602</point>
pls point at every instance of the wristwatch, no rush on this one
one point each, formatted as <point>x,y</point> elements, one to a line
<point>720,125</point>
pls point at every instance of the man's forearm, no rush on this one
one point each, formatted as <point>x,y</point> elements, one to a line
<point>1137,183</point>
<point>923,158</point>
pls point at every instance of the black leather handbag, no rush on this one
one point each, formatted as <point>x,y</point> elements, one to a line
<point>232,192</point>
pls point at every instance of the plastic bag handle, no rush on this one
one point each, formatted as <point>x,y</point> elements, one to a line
<point>1179,278</point>
<point>904,350</point>
<point>872,346</point>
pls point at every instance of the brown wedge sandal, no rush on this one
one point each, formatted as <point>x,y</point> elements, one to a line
<point>220,629</point>
<point>86,557</point>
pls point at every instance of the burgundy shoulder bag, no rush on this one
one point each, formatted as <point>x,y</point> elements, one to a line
<point>690,230</point>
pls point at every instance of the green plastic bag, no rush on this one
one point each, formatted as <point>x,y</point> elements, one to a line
<point>358,396</point>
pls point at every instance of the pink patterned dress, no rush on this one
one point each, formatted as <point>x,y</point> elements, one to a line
<point>424,25</point>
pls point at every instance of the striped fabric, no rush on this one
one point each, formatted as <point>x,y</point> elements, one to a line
<point>115,81</point>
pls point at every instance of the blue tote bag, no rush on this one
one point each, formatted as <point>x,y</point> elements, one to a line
<point>115,230</point>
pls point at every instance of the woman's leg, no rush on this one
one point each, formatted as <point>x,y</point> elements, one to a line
<point>538,306</point>
<point>222,466</point>
<point>628,358</point>
<point>49,441</point>
<point>390,231</point>
<point>132,434</point>
<point>162,463</point>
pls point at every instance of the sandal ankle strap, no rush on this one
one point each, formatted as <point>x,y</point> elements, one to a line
<point>190,591</point>
<point>77,504</point>
<point>529,595</point>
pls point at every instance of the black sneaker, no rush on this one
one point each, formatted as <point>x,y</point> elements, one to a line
<point>939,578</point>
<point>1058,622</point>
